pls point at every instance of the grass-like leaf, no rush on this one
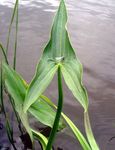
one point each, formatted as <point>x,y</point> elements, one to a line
<point>1,89</point>
<point>89,132</point>
<point>77,133</point>
<point>42,139</point>
<point>16,34</point>
<point>15,11</point>
<point>2,49</point>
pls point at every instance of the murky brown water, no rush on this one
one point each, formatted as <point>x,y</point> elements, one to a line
<point>91,26</point>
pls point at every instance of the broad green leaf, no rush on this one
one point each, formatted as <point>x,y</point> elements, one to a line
<point>42,139</point>
<point>89,132</point>
<point>24,119</point>
<point>46,72</point>
<point>79,136</point>
<point>44,113</point>
<point>14,84</point>
<point>58,52</point>
<point>72,72</point>
<point>16,87</point>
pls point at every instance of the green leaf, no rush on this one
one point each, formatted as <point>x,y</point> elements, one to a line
<point>42,139</point>
<point>72,72</point>
<point>46,72</point>
<point>44,113</point>
<point>14,84</point>
<point>77,133</point>
<point>79,136</point>
<point>14,13</point>
<point>58,52</point>
<point>17,87</point>
<point>89,132</point>
<point>3,53</point>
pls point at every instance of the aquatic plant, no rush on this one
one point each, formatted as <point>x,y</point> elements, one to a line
<point>58,56</point>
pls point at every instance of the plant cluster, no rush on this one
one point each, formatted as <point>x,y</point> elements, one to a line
<point>58,57</point>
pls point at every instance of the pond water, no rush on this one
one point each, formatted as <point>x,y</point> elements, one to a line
<point>91,26</point>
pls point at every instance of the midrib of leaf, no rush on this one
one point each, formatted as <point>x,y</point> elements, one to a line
<point>61,54</point>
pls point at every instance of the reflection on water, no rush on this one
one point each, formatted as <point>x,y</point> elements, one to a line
<point>92,29</point>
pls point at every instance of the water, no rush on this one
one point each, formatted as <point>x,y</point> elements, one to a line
<point>91,27</point>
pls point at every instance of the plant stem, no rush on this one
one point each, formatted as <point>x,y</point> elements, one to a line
<point>58,114</point>
<point>10,27</point>
<point>1,88</point>
<point>4,53</point>
<point>16,38</point>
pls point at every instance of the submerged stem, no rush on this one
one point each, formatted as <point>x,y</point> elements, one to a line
<point>58,114</point>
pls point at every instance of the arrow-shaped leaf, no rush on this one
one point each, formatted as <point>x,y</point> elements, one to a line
<point>58,51</point>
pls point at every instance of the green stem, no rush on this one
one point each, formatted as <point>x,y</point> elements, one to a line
<point>16,37</point>
<point>58,114</point>
<point>4,54</point>
<point>10,27</point>
<point>1,88</point>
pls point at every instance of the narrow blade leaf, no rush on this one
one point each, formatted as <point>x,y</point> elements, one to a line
<point>79,136</point>
<point>89,132</point>
<point>42,139</point>
<point>3,53</point>
<point>11,23</point>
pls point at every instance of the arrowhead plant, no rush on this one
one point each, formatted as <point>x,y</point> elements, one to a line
<point>58,53</point>
<point>58,57</point>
